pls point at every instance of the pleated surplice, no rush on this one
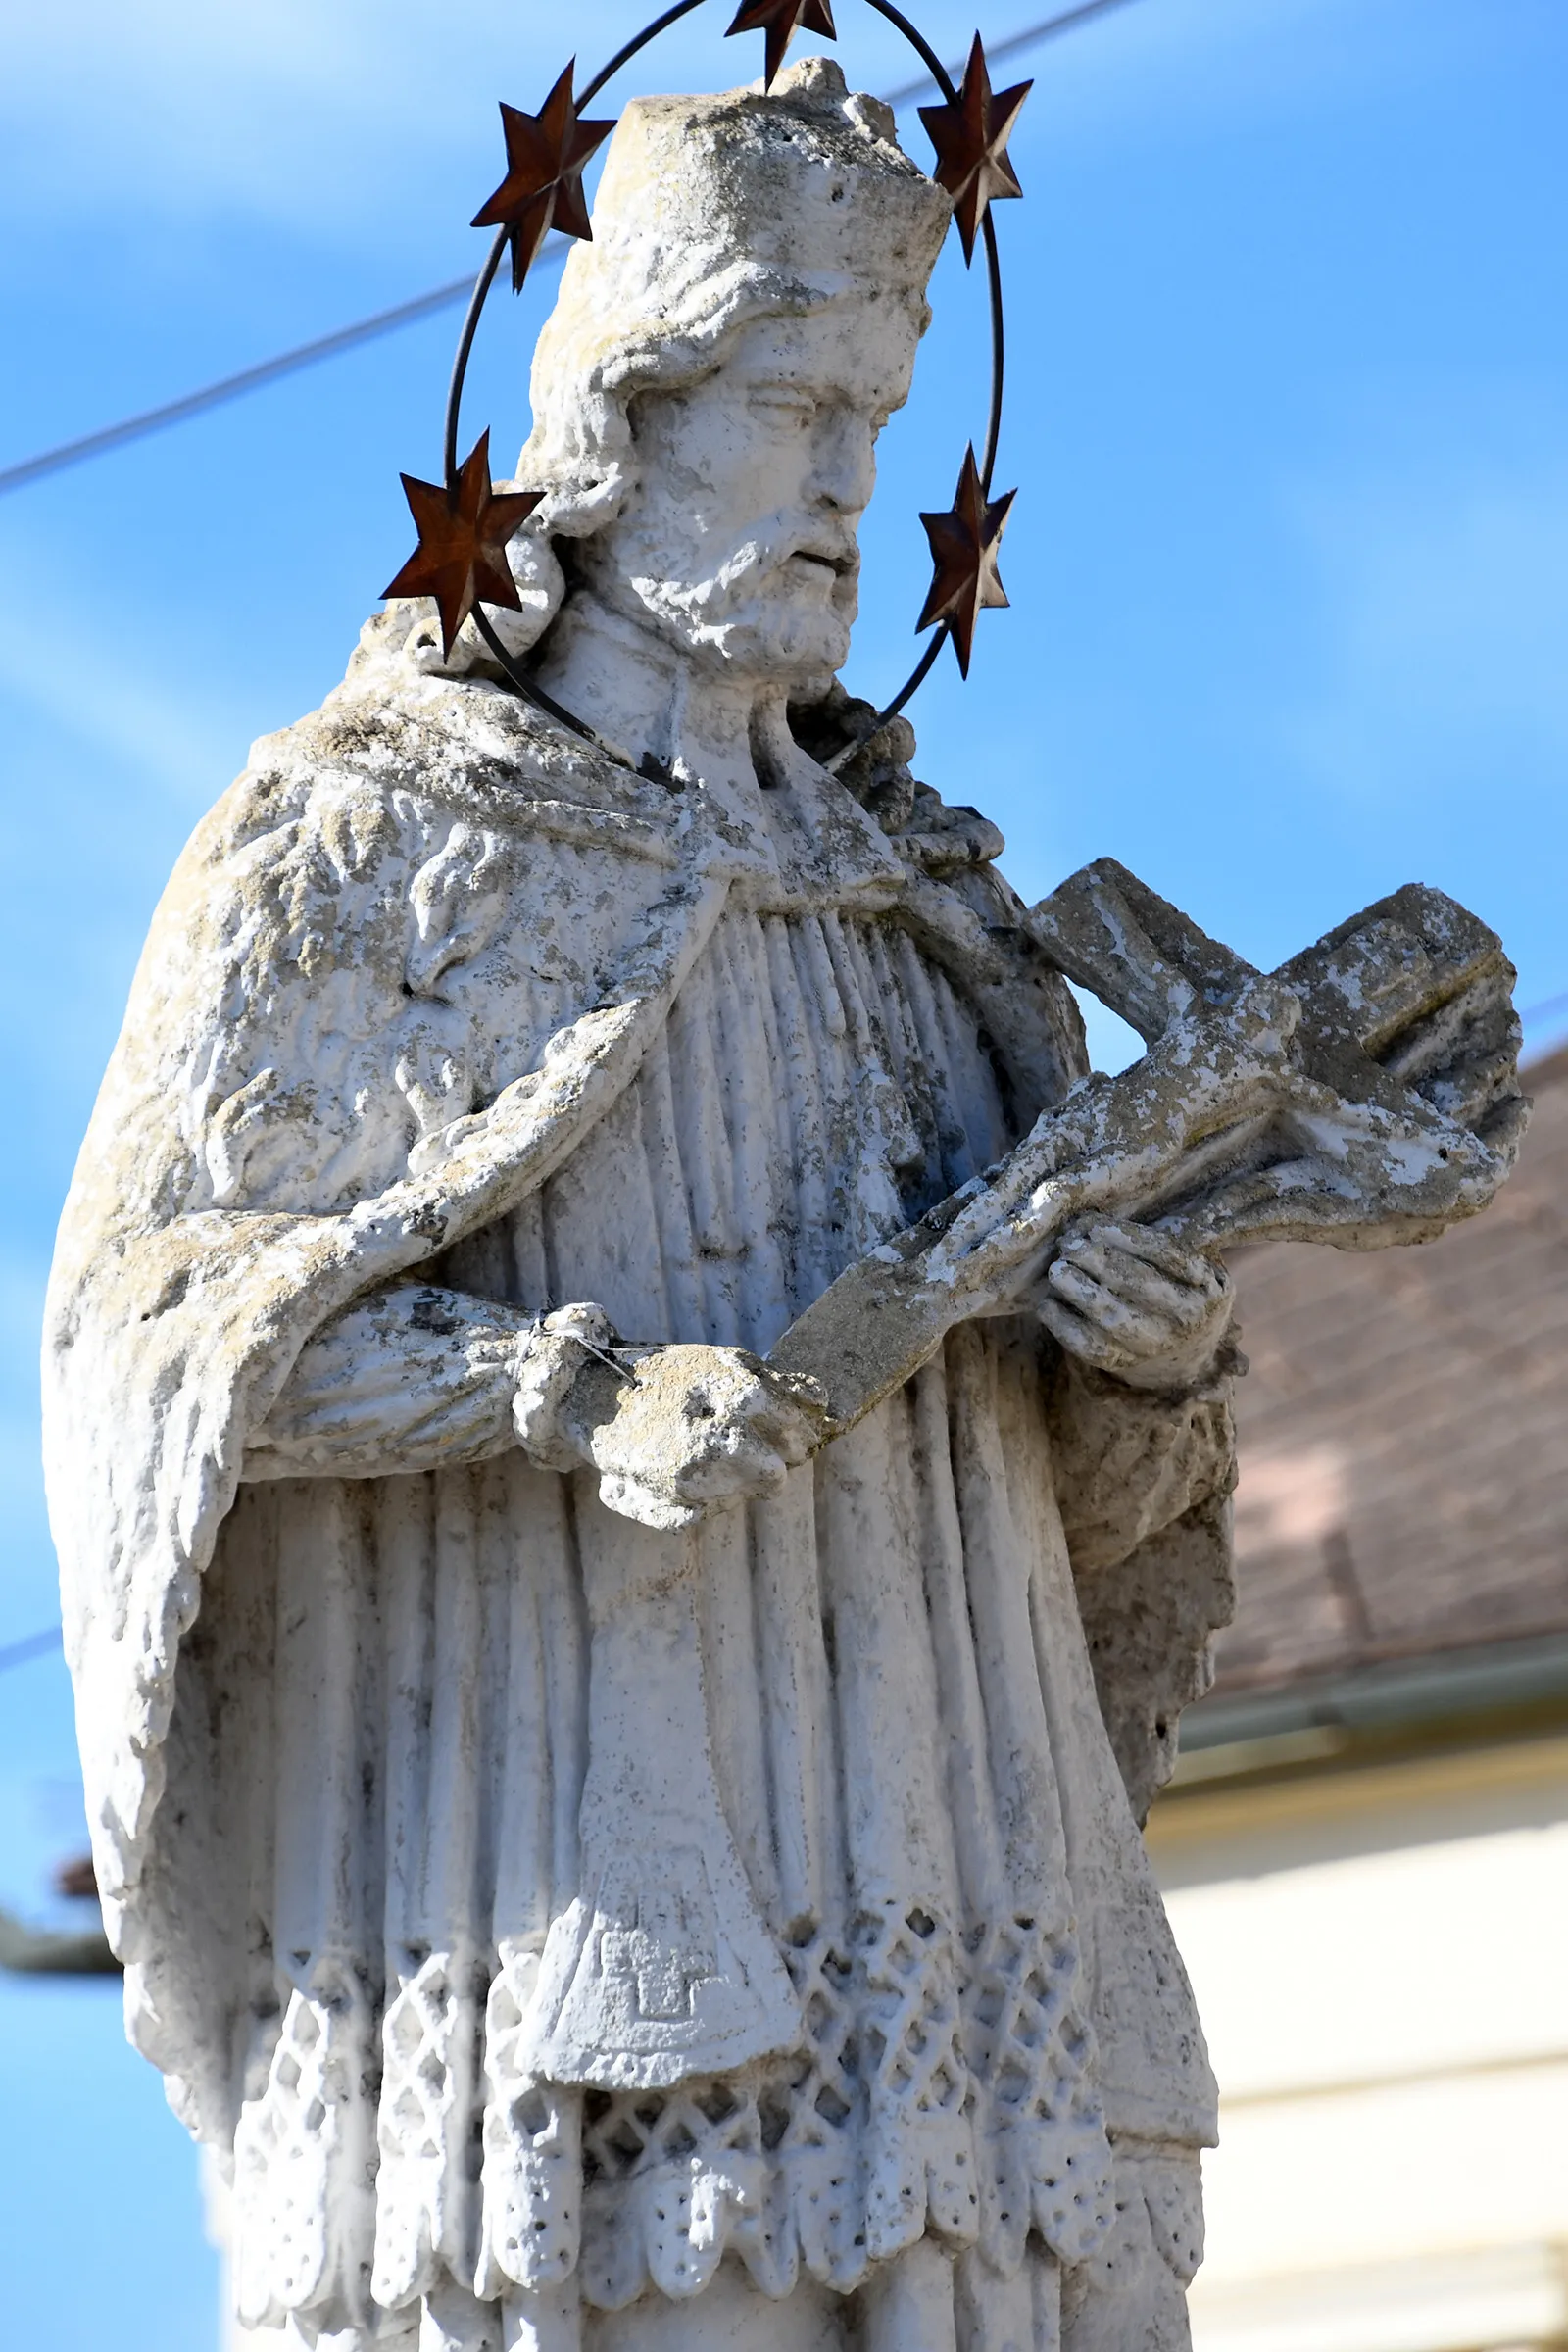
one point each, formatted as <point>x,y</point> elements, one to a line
<point>833,1759</point>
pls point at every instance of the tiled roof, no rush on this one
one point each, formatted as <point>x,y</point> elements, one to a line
<point>1404,1436</point>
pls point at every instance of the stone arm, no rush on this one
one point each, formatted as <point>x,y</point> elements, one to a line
<point>1149,1625</point>
<point>418,1377</point>
<point>1141,1394</point>
<point>1144,1479</point>
<point>1127,1462</point>
<point>1142,1461</point>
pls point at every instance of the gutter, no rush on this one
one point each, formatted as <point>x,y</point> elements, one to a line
<point>1479,1695</point>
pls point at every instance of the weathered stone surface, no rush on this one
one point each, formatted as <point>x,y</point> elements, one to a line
<point>639,1451</point>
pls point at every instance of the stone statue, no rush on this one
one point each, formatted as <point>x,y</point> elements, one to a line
<point>616,1847</point>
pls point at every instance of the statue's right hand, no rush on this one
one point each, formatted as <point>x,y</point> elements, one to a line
<point>674,1432</point>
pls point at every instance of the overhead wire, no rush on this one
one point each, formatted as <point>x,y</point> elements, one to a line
<point>230,387</point>
<point>420,306</point>
<point>1067,19</point>
<point>31,1645</point>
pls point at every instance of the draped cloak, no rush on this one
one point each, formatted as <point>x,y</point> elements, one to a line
<point>389,1770</point>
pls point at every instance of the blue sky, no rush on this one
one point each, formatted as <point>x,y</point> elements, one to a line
<point>1289,569</point>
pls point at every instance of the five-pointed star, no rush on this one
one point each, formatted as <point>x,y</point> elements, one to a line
<point>462,555</point>
<point>778,18</point>
<point>970,137</point>
<point>965,545</point>
<point>543,188</point>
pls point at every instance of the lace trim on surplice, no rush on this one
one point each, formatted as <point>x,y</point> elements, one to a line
<point>942,2085</point>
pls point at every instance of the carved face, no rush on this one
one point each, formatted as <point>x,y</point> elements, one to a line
<point>739,542</point>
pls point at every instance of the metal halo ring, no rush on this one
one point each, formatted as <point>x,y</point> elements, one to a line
<point>522,679</point>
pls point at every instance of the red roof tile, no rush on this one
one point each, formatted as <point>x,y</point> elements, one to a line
<point>1404,1435</point>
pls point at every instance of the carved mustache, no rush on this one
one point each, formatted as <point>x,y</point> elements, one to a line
<point>770,549</point>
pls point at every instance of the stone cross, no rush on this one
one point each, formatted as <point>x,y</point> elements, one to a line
<point>1362,1094</point>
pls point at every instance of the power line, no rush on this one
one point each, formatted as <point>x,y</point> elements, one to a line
<point>1066,20</point>
<point>32,1646</point>
<point>403,313</point>
<point>230,387</point>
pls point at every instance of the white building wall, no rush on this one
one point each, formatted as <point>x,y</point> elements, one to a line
<point>1381,1959</point>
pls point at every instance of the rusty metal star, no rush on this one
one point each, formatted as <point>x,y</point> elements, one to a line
<point>462,555</point>
<point>779,20</point>
<point>966,547</point>
<point>545,154</point>
<point>970,136</point>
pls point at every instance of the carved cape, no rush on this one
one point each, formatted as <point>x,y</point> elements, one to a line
<point>226,1204</point>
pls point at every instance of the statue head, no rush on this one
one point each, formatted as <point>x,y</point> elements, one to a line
<point>708,389</point>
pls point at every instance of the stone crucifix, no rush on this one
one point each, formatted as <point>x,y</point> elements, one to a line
<point>639,1451</point>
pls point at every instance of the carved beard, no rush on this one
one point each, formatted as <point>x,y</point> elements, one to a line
<point>769,606</point>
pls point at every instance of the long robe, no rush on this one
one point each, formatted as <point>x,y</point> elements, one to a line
<point>537,1905</point>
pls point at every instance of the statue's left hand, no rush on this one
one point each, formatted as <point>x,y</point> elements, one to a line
<point>693,1428</point>
<point>674,1431</point>
<point>1136,1305</point>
